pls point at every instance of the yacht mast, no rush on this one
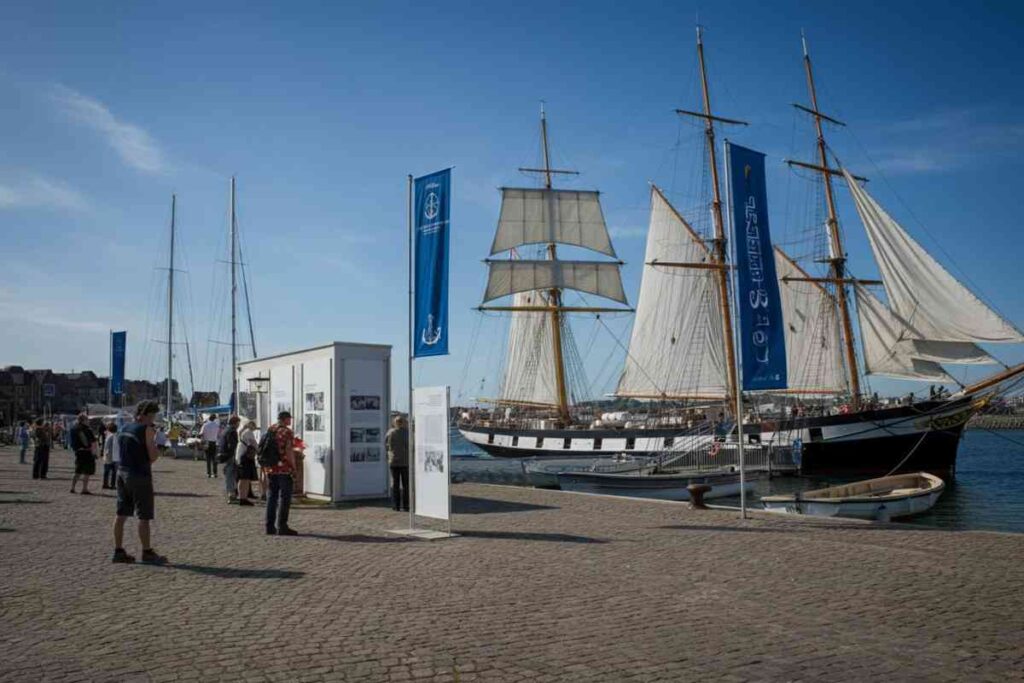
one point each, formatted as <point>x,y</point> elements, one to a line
<point>234,297</point>
<point>719,253</point>
<point>837,257</point>
<point>170,314</point>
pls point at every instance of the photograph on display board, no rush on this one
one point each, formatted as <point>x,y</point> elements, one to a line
<point>314,422</point>
<point>321,453</point>
<point>282,407</point>
<point>433,460</point>
<point>314,400</point>
<point>365,454</point>
<point>363,402</point>
<point>364,435</point>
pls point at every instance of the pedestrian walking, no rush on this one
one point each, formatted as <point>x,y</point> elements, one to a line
<point>136,447</point>
<point>245,459</point>
<point>43,437</point>
<point>275,456</point>
<point>209,434</point>
<point>227,444</point>
<point>84,443</point>
<point>396,441</point>
<point>110,457</point>
<point>22,438</point>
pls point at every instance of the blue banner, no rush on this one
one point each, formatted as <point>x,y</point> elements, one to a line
<point>431,221</point>
<point>118,345</point>
<point>761,329</point>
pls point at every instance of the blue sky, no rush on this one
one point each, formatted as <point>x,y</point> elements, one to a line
<point>321,109</point>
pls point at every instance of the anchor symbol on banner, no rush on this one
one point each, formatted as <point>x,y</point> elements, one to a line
<point>431,333</point>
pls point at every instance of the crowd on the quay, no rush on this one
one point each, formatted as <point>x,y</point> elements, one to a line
<point>248,458</point>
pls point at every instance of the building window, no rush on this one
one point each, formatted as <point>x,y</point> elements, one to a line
<point>567,443</point>
<point>515,440</point>
<point>597,444</point>
<point>669,440</point>
<point>630,443</point>
<point>540,442</point>
<point>490,438</point>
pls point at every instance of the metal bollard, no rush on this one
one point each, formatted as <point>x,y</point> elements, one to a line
<point>697,492</point>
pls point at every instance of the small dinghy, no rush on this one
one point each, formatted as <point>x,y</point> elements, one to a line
<point>879,499</point>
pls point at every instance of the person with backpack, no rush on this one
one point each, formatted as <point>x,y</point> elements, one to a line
<point>137,451</point>
<point>84,443</point>
<point>274,455</point>
<point>227,444</point>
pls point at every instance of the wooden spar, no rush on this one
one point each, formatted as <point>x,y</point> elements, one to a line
<point>674,397</point>
<point>561,309</point>
<point>824,169</point>
<point>1009,373</point>
<point>697,266</point>
<point>833,280</point>
<point>555,293</point>
<point>718,251</point>
<point>838,257</point>
<point>512,402</point>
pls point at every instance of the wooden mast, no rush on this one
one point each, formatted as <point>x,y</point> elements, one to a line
<point>838,256</point>
<point>718,252</point>
<point>554,293</point>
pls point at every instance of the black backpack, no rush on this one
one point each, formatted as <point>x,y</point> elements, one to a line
<point>267,453</point>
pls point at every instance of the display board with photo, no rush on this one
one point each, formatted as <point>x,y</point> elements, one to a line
<point>361,402</point>
<point>359,453</point>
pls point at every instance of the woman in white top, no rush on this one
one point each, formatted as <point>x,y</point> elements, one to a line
<point>245,457</point>
<point>110,457</point>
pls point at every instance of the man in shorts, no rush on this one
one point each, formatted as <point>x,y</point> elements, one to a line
<point>137,452</point>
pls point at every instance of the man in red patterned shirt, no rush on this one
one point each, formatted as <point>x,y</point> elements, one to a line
<point>279,500</point>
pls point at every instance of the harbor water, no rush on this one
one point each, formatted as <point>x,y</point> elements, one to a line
<point>988,492</point>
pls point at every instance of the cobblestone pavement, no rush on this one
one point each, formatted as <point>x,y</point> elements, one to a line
<point>540,585</point>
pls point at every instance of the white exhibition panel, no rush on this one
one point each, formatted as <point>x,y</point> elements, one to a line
<point>432,458</point>
<point>281,390</point>
<point>316,425</point>
<point>366,416</point>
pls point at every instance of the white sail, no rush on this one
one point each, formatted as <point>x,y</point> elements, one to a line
<point>920,290</point>
<point>529,366</point>
<point>510,277</point>
<point>677,347</point>
<point>814,359</point>
<point>887,350</point>
<point>545,216</point>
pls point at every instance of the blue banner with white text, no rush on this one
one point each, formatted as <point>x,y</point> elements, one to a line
<point>761,327</point>
<point>118,346</point>
<point>431,221</point>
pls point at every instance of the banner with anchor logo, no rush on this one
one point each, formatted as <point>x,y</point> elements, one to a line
<point>430,317</point>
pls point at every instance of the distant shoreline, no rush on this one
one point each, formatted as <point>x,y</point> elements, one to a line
<point>996,422</point>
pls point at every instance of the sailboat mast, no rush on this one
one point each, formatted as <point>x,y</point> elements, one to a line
<point>234,298</point>
<point>555,294</point>
<point>838,256</point>
<point>722,276</point>
<point>170,312</point>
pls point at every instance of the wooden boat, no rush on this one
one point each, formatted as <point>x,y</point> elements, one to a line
<point>879,499</point>
<point>666,485</point>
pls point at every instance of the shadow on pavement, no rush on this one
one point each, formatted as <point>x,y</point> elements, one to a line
<point>235,573</point>
<point>741,529</point>
<point>5,530</point>
<point>24,502</point>
<point>358,538</point>
<point>465,505</point>
<point>530,536</point>
<point>14,493</point>
<point>180,494</point>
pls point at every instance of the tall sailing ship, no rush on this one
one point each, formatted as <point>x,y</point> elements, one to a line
<point>681,356</point>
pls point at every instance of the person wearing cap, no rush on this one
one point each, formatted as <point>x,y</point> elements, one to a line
<point>279,477</point>
<point>210,434</point>
<point>137,451</point>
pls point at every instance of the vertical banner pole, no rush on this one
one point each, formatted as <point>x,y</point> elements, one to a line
<point>412,337</point>
<point>110,376</point>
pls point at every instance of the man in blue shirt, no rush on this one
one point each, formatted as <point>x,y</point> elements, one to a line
<point>137,451</point>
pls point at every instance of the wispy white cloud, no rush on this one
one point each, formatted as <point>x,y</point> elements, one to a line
<point>133,144</point>
<point>36,191</point>
<point>946,140</point>
<point>18,310</point>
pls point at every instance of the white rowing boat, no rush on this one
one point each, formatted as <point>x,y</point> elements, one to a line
<point>879,499</point>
